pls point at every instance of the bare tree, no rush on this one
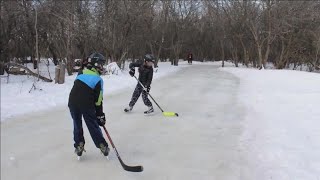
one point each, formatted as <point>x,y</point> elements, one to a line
<point>248,32</point>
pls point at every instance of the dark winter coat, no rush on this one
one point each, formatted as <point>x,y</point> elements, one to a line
<point>145,73</point>
<point>87,91</point>
<point>190,56</point>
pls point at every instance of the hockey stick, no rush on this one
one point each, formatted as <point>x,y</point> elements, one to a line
<point>125,167</point>
<point>163,112</point>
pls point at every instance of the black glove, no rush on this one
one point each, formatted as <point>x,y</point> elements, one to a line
<point>132,71</point>
<point>101,119</point>
<point>147,89</point>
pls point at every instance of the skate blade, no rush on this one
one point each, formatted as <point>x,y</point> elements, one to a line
<point>105,156</point>
<point>150,114</point>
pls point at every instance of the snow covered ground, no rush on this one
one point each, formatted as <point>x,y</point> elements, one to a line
<point>234,124</point>
<point>16,99</point>
<point>281,127</point>
<point>202,143</point>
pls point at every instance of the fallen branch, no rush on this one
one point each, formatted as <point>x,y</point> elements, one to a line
<point>28,71</point>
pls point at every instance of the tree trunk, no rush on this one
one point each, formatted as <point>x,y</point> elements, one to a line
<point>70,60</point>
<point>245,53</point>
<point>259,56</point>
<point>222,52</point>
<point>280,63</point>
<point>234,52</point>
<point>60,73</point>
<point>266,55</point>
<point>37,42</point>
<point>317,61</point>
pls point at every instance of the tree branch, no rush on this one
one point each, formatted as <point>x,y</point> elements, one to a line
<point>28,71</point>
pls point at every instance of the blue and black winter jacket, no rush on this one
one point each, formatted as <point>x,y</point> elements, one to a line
<point>87,91</point>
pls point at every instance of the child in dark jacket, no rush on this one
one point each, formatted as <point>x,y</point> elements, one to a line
<point>145,77</point>
<point>85,100</point>
<point>190,58</point>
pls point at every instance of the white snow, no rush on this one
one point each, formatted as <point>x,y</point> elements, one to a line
<point>281,127</point>
<point>16,99</point>
<point>113,68</point>
<point>234,124</point>
<point>199,144</point>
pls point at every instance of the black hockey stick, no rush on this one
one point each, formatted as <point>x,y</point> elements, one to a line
<point>125,167</point>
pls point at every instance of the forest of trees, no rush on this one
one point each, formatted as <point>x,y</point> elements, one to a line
<point>249,32</point>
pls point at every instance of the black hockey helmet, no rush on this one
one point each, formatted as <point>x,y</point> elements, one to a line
<point>149,57</point>
<point>96,60</point>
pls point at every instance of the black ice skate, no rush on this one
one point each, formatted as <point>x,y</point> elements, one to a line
<point>149,111</point>
<point>79,150</point>
<point>104,149</point>
<point>128,109</point>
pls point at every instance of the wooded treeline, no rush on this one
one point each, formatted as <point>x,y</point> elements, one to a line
<point>248,32</point>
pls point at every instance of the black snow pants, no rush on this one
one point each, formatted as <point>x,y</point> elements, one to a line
<point>90,119</point>
<point>136,95</point>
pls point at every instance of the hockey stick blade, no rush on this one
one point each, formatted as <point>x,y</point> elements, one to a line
<point>130,168</point>
<point>170,114</point>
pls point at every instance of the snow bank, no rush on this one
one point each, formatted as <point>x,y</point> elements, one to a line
<point>282,127</point>
<point>113,68</point>
<point>16,99</point>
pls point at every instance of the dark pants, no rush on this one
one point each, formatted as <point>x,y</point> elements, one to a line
<point>90,118</point>
<point>136,95</point>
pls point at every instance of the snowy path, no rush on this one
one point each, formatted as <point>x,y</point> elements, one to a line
<point>200,144</point>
